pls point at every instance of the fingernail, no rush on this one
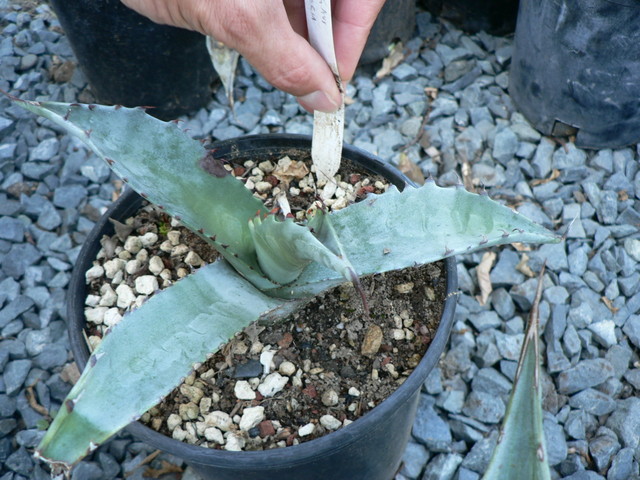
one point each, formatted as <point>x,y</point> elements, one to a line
<point>318,100</point>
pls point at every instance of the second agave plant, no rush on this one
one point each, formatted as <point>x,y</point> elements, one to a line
<point>271,265</point>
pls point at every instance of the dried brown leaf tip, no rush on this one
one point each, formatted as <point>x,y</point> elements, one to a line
<point>213,165</point>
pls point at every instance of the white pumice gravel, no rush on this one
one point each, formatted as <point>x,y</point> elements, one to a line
<point>234,442</point>
<point>220,420</point>
<point>251,416</point>
<point>146,284</point>
<point>243,390</point>
<point>126,296</point>
<point>266,359</point>
<point>272,384</point>
<point>148,239</point>
<point>133,244</point>
<point>214,435</point>
<point>111,317</point>
<point>174,420</point>
<point>307,429</point>
<point>95,273</point>
<point>330,422</point>
<point>287,368</point>
<point>330,398</point>
<point>156,265</point>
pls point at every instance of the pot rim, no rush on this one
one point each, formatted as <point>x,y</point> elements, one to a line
<point>129,202</point>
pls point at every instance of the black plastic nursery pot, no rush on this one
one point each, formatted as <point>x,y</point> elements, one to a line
<point>497,17</point>
<point>395,22</point>
<point>131,61</point>
<point>371,448</point>
<point>575,69</point>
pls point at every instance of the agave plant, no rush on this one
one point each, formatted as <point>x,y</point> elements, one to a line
<point>269,268</point>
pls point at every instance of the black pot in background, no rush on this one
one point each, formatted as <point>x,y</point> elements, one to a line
<point>575,69</point>
<point>131,61</point>
<point>371,448</point>
<point>497,17</point>
<point>396,21</point>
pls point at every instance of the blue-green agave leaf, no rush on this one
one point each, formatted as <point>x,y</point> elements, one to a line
<point>397,230</point>
<point>285,248</point>
<point>150,351</point>
<point>174,171</point>
<point>520,452</point>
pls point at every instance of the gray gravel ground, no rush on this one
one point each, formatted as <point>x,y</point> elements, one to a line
<point>52,191</point>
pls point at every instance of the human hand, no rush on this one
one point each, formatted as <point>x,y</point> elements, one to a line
<point>272,36</point>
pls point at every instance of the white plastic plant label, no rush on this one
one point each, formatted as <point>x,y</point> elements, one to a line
<point>328,128</point>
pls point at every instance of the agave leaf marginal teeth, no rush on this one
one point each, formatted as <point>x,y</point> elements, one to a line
<point>110,161</point>
<point>540,452</point>
<point>87,133</point>
<point>117,107</point>
<point>484,240</point>
<point>91,107</point>
<point>69,404</point>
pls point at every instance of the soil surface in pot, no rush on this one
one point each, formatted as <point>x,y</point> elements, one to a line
<point>281,384</point>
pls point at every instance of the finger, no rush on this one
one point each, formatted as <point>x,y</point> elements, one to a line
<point>297,16</point>
<point>261,32</point>
<point>352,22</point>
<point>162,12</point>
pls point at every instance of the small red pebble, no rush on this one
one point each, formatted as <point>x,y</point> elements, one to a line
<point>310,391</point>
<point>284,434</point>
<point>266,428</point>
<point>286,340</point>
<point>354,178</point>
<point>362,191</point>
<point>291,438</point>
<point>272,179</point>
<point>239,171</point>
